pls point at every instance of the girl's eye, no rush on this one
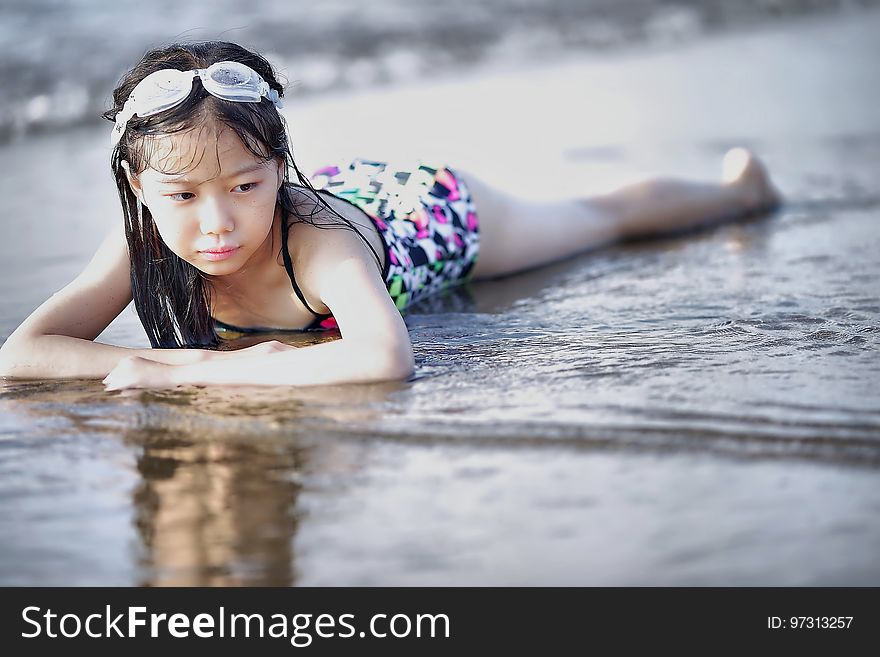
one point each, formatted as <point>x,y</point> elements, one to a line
<point>186,196</point>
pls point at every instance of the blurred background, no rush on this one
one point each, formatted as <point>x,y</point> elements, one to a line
<point>60,59</point>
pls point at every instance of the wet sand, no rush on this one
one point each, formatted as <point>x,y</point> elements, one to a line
<point>695,410</point>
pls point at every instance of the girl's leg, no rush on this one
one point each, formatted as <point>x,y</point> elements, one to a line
<point>517,234</point>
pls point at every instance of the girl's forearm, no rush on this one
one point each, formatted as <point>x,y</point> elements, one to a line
<point>62,357</point>
<point>327,363</point>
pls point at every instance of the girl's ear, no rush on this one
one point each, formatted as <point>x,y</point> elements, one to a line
<point>282,169</point>
<point>133,181</point>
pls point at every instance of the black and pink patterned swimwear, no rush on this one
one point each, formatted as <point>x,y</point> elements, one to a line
<point>426,219</point>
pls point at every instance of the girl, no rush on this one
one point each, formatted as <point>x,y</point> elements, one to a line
<point>216,237</point>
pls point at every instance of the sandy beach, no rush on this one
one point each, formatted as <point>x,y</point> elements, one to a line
<point>700,410</point>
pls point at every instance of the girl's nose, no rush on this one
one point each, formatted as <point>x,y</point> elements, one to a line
<point>215,217</point>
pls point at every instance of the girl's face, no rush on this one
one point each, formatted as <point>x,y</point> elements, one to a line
<point>218,214</point>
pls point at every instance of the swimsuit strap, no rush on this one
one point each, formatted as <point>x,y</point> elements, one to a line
<point>289,267</point>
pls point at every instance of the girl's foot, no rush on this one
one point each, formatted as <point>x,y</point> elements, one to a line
<point>743,170</point>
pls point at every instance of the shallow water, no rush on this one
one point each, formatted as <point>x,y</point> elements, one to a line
<point>701,409</point>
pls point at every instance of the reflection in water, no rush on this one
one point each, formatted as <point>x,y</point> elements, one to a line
<point>217,501</point>
<point>216,512</point>
<point>217,472</point>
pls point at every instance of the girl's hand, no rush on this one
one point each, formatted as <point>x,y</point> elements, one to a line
<point>136,372</point>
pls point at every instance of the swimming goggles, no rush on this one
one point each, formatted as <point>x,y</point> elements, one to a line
<point>169,87</point>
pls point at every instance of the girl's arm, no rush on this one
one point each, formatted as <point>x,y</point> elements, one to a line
<point>340,361</point>
<point>56,341</point>
<point>375,343</point>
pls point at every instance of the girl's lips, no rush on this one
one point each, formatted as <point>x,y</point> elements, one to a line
<point>220,254</point>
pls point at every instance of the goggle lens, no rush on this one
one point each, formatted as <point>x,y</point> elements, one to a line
<point>228,76</point>
<point>233,81</point>
<point>160,91</point>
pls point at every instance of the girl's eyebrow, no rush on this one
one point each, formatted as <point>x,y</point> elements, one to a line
<point>250,168</point>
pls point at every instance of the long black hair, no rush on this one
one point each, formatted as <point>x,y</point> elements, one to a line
<point>171,296</point>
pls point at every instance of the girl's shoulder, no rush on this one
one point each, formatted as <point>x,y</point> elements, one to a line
<point>319,240</point>
<point>315,211</point>
<point>316,223</point>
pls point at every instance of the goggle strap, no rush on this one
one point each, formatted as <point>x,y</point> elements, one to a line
<point>271,94</point>
<point>122,118</point>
